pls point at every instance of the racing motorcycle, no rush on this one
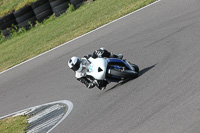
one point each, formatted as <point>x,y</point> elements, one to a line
<point>111,69</point>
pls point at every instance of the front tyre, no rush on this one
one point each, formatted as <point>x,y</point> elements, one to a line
<point>135,67</point>
<point>124,73</point>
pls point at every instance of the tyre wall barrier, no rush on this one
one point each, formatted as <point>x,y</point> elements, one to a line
<point>76,3</point>
<point>7,24</point>
<point>25,17</point>
<point>59,6</point>
<point>37,11</point>
<point>42,10</point>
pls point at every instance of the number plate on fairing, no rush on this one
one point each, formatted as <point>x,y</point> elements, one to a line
<point>90,67</point>
<point>97,68</point>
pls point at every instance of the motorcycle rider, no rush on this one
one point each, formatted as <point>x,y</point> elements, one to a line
<point>78,65</point>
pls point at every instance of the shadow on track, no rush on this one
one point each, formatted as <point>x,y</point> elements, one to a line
<point>141,72</point>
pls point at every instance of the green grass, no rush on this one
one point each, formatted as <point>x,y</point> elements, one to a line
<point>8,6</point>
<point>17,124</point>
<point>54,32</point>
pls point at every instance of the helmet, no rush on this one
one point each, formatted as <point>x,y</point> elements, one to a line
<point>74,63</point>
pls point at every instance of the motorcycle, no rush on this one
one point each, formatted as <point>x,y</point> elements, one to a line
<point>111,69</point>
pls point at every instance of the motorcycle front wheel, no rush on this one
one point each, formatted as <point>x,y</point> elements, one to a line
<point>135,67</point>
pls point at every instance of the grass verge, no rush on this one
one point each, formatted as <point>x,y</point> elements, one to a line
<point>53,32</point>
<point>17,124</point>
<point>8,6</point>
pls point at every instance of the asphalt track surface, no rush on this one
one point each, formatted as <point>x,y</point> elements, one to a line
<point>163,40</point>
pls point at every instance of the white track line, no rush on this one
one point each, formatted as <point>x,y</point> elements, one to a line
<point>80,37</point>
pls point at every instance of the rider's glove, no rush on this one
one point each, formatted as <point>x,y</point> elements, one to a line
<point>91,85</point>
<point>99,53</point>
<point>88,56</point>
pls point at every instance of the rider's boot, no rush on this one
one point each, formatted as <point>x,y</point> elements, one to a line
<point>119,56</point>
<point>112,55</point>
<point>102,88</point>
<point>101,84</point>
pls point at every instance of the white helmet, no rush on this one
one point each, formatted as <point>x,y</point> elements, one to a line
<point>74,63</point>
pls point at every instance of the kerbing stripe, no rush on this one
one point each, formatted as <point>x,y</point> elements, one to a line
<point>48,119</point>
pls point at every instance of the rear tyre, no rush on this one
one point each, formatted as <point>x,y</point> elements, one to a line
<point>124,73</point>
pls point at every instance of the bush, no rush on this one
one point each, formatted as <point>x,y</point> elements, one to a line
<point>71,8</point>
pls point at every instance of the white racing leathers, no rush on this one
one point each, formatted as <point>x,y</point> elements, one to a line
<point>89,81</point>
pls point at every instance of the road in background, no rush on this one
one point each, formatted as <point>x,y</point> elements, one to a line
<point>163,40</point>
